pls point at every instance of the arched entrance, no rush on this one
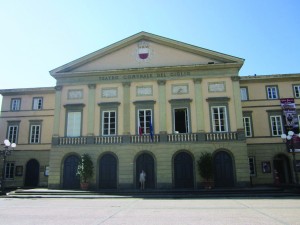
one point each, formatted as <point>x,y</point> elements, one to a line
<point>145,162</point>
<point>108,172</point>
<point>32,173</point>
<point>282,166</point>
<point>183,171</point>
<point>223,170</point>
<point>70,180</point>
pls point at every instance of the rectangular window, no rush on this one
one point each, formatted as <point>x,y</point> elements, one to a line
<point>272,92</point>
<point>144,121</point>
<point>9,170</point>
<point>247,126</point>
<point>276,125</point>
<point>37,103</point>
<point>74,124</point>
<point>109,123</point>
<point>252,170</point>
<point>15,104</point>
<point>12,133</point>
<point>244,94</point>
<point>219,119</point>
<point>35,133</point>
<point>181,120</point>
<point>297,91</point>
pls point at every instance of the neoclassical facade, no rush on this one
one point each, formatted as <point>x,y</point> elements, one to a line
<point>154,104</point>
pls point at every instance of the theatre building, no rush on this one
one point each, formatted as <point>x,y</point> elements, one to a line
<point>154,104</point>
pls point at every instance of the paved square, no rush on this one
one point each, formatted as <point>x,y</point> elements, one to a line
<point>40,211</point>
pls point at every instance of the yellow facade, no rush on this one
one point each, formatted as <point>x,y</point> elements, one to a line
<point>190,97</point>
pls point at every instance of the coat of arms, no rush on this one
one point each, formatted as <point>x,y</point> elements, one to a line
<point>143,51</point>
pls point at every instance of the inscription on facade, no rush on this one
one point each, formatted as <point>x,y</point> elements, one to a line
<point>109,92</point>
<point>75,94</point>
<point>145,76</point>
<point>144,90</point>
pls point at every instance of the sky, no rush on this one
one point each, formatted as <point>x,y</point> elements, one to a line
<point>40,35</point>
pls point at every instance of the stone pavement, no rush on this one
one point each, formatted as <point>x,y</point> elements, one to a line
<point>123,211</point>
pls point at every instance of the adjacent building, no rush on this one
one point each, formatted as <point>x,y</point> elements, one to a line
<point>154,104</point>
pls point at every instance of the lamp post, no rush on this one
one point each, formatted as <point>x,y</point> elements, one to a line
<point>290,145</point>
<point>8,147</point>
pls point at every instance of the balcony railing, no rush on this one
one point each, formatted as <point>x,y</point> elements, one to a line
<point>143,139</point>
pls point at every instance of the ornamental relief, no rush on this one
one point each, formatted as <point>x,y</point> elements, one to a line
<point>144,91</point>
<point>75,94</point>
<point>109,92</point>
<point>216,87</point>
<point>179,89</point>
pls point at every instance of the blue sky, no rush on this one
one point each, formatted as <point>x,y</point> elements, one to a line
<point>38,36</point>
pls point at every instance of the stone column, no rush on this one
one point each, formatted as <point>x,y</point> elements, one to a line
<point>57,111</point>
<point>237,103</point>
<point>91,109</point>
<point>126,109</point>
<point>162,106</point>
<point>199,105</point>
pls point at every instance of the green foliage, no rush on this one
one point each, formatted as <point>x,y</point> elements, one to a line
<point>85,168</point>
<point>205,165</point>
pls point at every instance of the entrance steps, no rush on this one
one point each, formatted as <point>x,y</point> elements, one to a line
<point>174,193</point>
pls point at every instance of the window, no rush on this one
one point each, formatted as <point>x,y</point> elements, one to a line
<point>252,170</point>
<point>276,125</point>
<point>109,123</point>
<point>247,126</point>
<point>15,104</point>
<point>37,103</point>
<point>9,170</point>
<point>73,124</point>
<point>297,91</point>
<point>244,94</point>
<point>35,133</point>
<point>219,119</point>
<point>145,121</point>
<point>12,133</point>
<point>181,120</point>
<point>272,92</point>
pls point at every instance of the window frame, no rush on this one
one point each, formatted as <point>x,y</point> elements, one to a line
<point>9,170</point>
<point>73,108</point>
<point>109,133</point>
<point>181,104</point>
<point>37,140</point>
<point>244,94</point>
<point>13,138</point>
<point>225,119</point>
<point>272,87</point>
<point>252,172</point>
<point>108,107</point>
<point>39,105</point>
<point>144,105</point>
<point>296,95</point>
<point>277,130</point>
<point>15,104</point>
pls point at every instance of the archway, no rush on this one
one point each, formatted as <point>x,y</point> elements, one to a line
<point>183,171</point>
<point>223,170</point>
<point>32,173</point>
<point>108,172</point>
<point>283,169</point>
<point>70,180</point>
<point>145,162</point>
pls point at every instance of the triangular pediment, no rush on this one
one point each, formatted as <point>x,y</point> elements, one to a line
<point>145,50</point>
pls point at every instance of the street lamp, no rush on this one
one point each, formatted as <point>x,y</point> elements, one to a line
<point>290,145</point>
<point>8,147</point>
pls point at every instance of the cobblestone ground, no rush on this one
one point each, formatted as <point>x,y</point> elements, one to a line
<point>139,211</point>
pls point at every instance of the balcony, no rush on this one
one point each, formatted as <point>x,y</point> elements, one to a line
<point>147,139</point>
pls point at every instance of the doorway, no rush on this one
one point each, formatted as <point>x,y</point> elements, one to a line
<point>181,120</point>
<point>223,170</point>
<point>70,180</point>
<point>32,173</point>
<point>108,172</point>
<point>283,169</point>
<point>183,171</point>
<point>145,162</point>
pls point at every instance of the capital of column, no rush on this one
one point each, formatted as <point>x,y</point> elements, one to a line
<point>92,86</point>
<point>126,84</point>
<point>235,78</point>
<point>161,82</point>
<point>58,88</point>
<point>197,80</point>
